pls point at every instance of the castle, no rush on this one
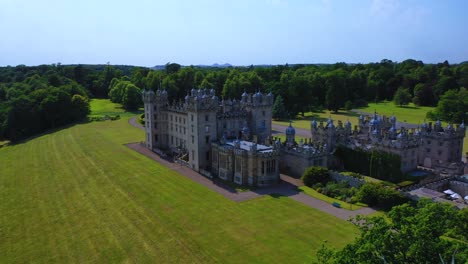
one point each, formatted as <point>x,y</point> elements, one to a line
<point>218,138</point>
<point>231,139</point>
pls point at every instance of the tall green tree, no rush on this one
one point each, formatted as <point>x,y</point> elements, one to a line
<point>410,235</point>
<point>402,97</point>
<point>279,110</point>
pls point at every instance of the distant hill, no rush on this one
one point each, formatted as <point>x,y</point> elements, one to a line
<point>216,65</point>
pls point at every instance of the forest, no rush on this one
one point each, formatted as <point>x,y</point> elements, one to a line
<point>34,99</point>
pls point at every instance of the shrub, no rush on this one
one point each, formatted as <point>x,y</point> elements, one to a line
<point>313,175</point>
<point>373,194</point>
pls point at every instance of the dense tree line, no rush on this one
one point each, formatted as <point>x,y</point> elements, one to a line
<point>311,87</point>
<point>302,87</point>
<point>427,233</point>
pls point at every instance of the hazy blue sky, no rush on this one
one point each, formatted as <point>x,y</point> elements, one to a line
<point>242,32</point>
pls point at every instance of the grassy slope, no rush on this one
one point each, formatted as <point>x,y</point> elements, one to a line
<point>79,195</point>
<point>102,107</point>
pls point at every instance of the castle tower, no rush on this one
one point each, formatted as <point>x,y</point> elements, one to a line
<point>202,106</point>
<point>149,101</point>
<point>290,135</point>
<point>261,110</point>
<point>330,132</point>
<point>155,126</point>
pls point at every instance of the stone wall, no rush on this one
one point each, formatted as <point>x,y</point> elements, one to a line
<point>294,164</point>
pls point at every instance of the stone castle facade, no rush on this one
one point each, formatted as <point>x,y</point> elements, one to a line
<point>219,138</point>
<point>431,146</point>
<point>231,139</point>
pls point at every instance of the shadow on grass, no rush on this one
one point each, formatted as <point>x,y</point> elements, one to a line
<point>56,129</point>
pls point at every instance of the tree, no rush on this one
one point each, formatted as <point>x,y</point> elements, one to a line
<point>131,99</point>
<point>402,97</point>
<point>374,194</point>
<point>423,95</point>
<point>80,107</point>
<point>315,174</point>
<point>279,110</point>
<point>452,107</point>
<point>411,235</point>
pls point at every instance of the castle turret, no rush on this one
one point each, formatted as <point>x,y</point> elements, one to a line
<point>290,135</point>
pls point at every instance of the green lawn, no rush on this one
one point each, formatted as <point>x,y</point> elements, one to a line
<point>409,114</point>
<point>102,107</point>
<point>309,191</point>
<point>79,195</point>
<point>304,121</point>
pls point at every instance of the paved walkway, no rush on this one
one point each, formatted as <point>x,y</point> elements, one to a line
<point>132,121</point>
<point>286,187</point>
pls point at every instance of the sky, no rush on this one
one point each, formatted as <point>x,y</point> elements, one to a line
<point>239,32</point>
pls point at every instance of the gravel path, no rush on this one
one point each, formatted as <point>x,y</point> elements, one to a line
<point>132,121</point>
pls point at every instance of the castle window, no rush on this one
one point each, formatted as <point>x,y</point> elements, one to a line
<point>263,167</point>
<point>154,108</point>
<point>155,125</point>
<point>176,119</point>
<point>192,128</point>
<point>428,150</point>
<point>177,141</point>
<point>154,116</point>
<point>172,127</point>
<point>207,155</point>
<point>441,143</point>
<point>172,140</point>
<point>156,138</point>
<point>193,154</point>
<point>238,164</point>
<point>171,117</point>
<point>263,112</point>
<point>193,139</point>
<point>428,142</point>
<point>191,116</point>
<point>207,139</point>
<point>176,127</point>
<point>440,152</point>
<point>184,130</point>
<point>224,124</point>
<point>206,118</point>
<point>207,129</point>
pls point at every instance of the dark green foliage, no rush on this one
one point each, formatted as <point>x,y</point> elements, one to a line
<point>411,235</point>
<point>377,164</point>
<point>302,87</point>
<point>314,174</point>
<point>355,160</point>
<point>385,166</point>
<point>279,110</point>
<point>402,97</point>
<point>44,99</point>
<point>125,93</point>
<point>376,195</point>
<point>348,105</point>
<point>338,190</point>
<point>452,107</point>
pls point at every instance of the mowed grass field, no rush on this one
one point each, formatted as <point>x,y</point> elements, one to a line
<point>79,195</point>
<point>102,107</point>
<point>409,114</point>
